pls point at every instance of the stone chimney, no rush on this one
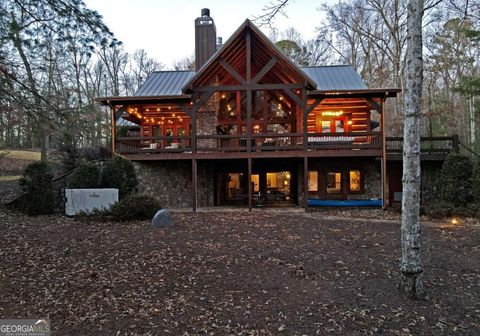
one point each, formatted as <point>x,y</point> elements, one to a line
<point>205,38</point>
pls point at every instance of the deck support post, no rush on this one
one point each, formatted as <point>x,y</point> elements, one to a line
<point>384,156</point>
<point>305,183</point>
<point>194,185</point>
<point>249,177</point>
<point>248,75</point>
<point>305,111</point>
<point>114,128</point>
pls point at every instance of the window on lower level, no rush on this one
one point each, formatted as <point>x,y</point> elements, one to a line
<point>312,181</point>
<point>355,181</point>
<point>334,182</point>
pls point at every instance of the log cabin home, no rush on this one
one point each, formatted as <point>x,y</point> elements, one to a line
<point>249,127</point>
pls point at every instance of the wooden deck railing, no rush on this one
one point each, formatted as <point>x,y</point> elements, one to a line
<point>258,142</point>
<point>159,144</point>
<point>280,142</point>
<point>428,145</point>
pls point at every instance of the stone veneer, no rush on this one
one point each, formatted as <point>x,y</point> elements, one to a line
<point>373,181</point>
<point>206,125</point>
<point>171,182</point>
<point>370,169</point>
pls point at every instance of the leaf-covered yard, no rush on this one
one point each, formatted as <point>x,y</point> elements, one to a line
<point>234,273</point>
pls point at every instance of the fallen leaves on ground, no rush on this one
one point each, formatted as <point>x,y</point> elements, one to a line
<point>233,273</point>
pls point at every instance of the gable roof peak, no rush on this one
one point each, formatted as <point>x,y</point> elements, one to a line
<point>248,24</point>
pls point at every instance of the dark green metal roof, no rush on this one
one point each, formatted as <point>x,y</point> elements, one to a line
<point>335,77</point>
<point>165,83</point>
<point>328,78</point>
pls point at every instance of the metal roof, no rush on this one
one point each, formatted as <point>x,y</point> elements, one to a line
<point>165,83</point>
<point>335,77</point>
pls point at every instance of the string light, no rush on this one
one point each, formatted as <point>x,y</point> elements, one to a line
<point>332,113</point>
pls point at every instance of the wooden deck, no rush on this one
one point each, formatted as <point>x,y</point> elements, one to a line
<point>260,145</point>
<point>431,148</point>
<point>277,145</point>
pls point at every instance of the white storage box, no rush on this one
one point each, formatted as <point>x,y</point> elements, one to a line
<point>86,200</point>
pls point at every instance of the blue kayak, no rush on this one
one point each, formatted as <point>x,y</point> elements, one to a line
<point>345,203</point>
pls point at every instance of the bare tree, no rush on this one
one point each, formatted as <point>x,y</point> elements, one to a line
<point>411,264</point>
<point>185,63</point>
<point>270,11</point>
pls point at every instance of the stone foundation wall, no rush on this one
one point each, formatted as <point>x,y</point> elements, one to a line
<point>206,184</point>
<point>171,182</point>
<point>373,181</point>
<point>369,168</point>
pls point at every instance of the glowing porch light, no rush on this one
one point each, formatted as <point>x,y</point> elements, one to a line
<point>158,109</point>
<point>454,221</point>
<point>223,96</point>
<point>280,98</point>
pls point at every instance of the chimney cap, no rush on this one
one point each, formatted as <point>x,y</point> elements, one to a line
<point>205,12</point>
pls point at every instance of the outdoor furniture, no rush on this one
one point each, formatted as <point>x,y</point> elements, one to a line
<point>330,140</point>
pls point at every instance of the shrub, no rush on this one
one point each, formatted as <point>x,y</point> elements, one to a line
<point>119,173</point>
<point>37,190</point>
<point>456,180</point>
<point>439,210</point>
<point>470,210</point>
<point>69,156</point>
<point>86,175</point>
<point>72,156</point>
<point>476,181</point>
<point>135,207</point>
<point>94,153</point>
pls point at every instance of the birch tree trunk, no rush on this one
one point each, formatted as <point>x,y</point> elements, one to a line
<point>411,265</point>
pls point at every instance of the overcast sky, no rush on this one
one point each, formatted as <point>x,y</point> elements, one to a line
<point>165,29</point>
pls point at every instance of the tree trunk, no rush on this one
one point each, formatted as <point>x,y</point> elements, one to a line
<point>17,42</point>
<point>411,266</point>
